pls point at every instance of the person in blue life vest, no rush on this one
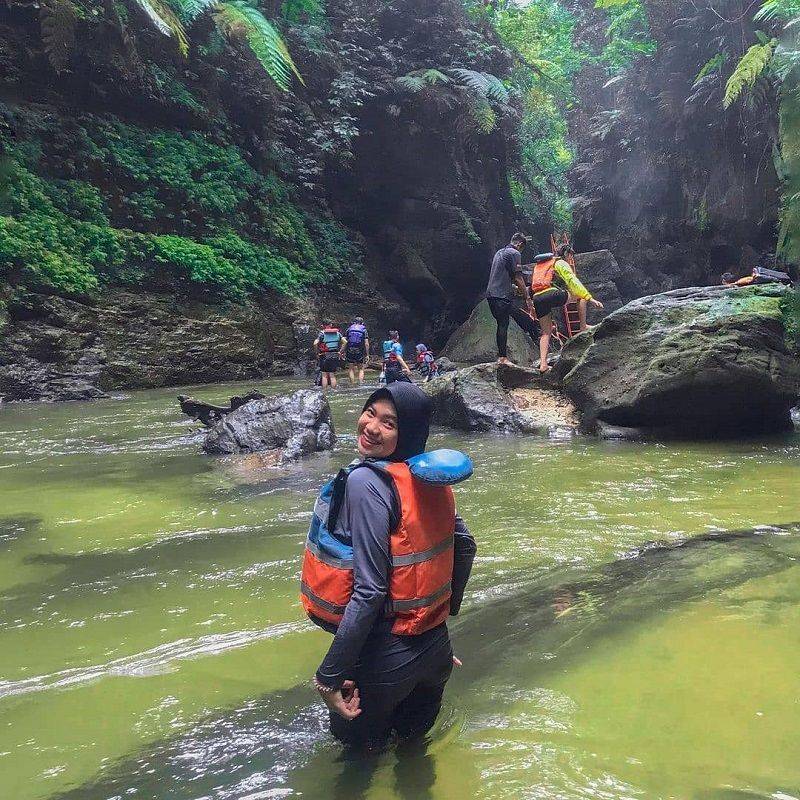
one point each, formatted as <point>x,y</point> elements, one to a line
<point>357,351</point>
<point>387,560</point>
<point>330,347</point>
<point>394,367</point>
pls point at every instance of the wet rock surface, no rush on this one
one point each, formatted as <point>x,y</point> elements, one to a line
<point>475,341</point>
<point>286,427</point>
<point>692,361</point>
<point>488,397</point>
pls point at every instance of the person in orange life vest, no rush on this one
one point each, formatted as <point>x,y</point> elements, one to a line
<point>330,347</point>
<point>391,656</point>
<point>546,296</point>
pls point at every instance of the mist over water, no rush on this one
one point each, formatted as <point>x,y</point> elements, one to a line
<point>152,645</point>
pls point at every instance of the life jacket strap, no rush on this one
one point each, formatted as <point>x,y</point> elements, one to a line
<point>420,602</point>
<point>424,555</point>
<point>331,608</point>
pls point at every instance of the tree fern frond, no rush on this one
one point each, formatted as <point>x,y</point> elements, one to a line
<point>166,21</point>
<point>190,10</point>
<point>750,66</point>
<point>58,18</point>
<point>237,19</point>
<point>419,79</point>
<point>411,83</point>
<point>482,83</point>
<point>777,9</point>
<point>714,64</point>
<point>482,114</point>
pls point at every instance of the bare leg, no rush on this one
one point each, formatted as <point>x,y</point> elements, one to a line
<point>332,380</point>
<point>582,315</point>
<point>324,383</point>
<point>352,370</point>
<point>544,341</point>
<point>361,374</point>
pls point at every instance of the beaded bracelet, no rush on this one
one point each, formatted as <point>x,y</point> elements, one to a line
<point>321,687</point>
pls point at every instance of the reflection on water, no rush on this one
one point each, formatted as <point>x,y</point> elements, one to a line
<point>152,644</point>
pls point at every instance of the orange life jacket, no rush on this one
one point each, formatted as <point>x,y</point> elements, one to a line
<point>542,278</point>
<point>420,546</point>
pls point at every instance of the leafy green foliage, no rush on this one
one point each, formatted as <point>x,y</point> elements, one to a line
<point>628,34</point>
<point>203,215</point>
<point>479,89</point>
<point>58,19</point>
<point>237,19</point>
<point>750,67</point>
<point>542,33</point>
<point>714,64</point>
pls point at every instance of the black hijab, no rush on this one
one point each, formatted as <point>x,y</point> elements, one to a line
<point>413,417</point>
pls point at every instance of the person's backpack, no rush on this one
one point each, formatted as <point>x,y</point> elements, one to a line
<point>331,338</point>
<point>543,269</point>
<point>355,335</point>
<point>764,275</point>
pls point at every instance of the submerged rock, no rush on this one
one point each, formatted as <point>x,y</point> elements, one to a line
<point>488,397</point>
<point>288,426</point>
<point>693,361</point>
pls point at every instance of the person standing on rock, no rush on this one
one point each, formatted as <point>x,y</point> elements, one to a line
<point>329,345</point>
<point>505,274</point>
<point>386,562</point>
<point>357,352</point>
<point>548,296</point>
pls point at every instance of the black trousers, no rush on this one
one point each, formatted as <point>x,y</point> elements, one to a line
<point>408,707</point>
<point>502,310</point>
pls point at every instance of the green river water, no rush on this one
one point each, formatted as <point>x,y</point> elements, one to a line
<point>152,644</point>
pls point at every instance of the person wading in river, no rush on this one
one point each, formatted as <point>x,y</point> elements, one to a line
<point>505,273</point>
<point>387,560</point>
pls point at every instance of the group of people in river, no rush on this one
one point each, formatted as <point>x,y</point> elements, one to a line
<point>333,348</point>
<point>387,557</point>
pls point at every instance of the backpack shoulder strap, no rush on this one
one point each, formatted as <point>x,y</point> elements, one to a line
<point>340,482</point>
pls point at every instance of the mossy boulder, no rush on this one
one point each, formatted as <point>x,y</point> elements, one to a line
<point>475,342</point>
<point>694,361</point>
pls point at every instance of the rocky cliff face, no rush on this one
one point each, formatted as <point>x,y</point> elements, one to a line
<point>678,189</point>
<point>420,193</point>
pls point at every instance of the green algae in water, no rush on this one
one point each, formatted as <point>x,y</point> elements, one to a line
<point>152,622</point>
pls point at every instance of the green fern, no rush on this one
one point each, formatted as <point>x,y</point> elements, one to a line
<point>420,79</point>
<point>190,10</point>
<point>166,21</point>
<point>714,64</point>
<point>482,114</point>
<point>237,19</point>
<point>750,67</point>
<point>58,19</point>
<point>778,9</point>
<point>483,84</point>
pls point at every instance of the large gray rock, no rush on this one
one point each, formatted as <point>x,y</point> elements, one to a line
<point>289,426</point>
<point>488,397</point>
<point>475,341</point>
<point>599,272</point>
<point>696,360</point>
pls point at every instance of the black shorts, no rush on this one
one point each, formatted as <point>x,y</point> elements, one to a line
<point>330,363</point>
<point>551,298</point>
<point>355,355</point>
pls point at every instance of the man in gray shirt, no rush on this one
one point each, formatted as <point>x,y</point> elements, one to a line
<point>507,270</point>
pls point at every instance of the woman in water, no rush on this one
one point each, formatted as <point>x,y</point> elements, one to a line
<point>386,562</point>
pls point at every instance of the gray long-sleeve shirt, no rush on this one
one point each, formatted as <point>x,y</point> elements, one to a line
<point>370,511</point>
